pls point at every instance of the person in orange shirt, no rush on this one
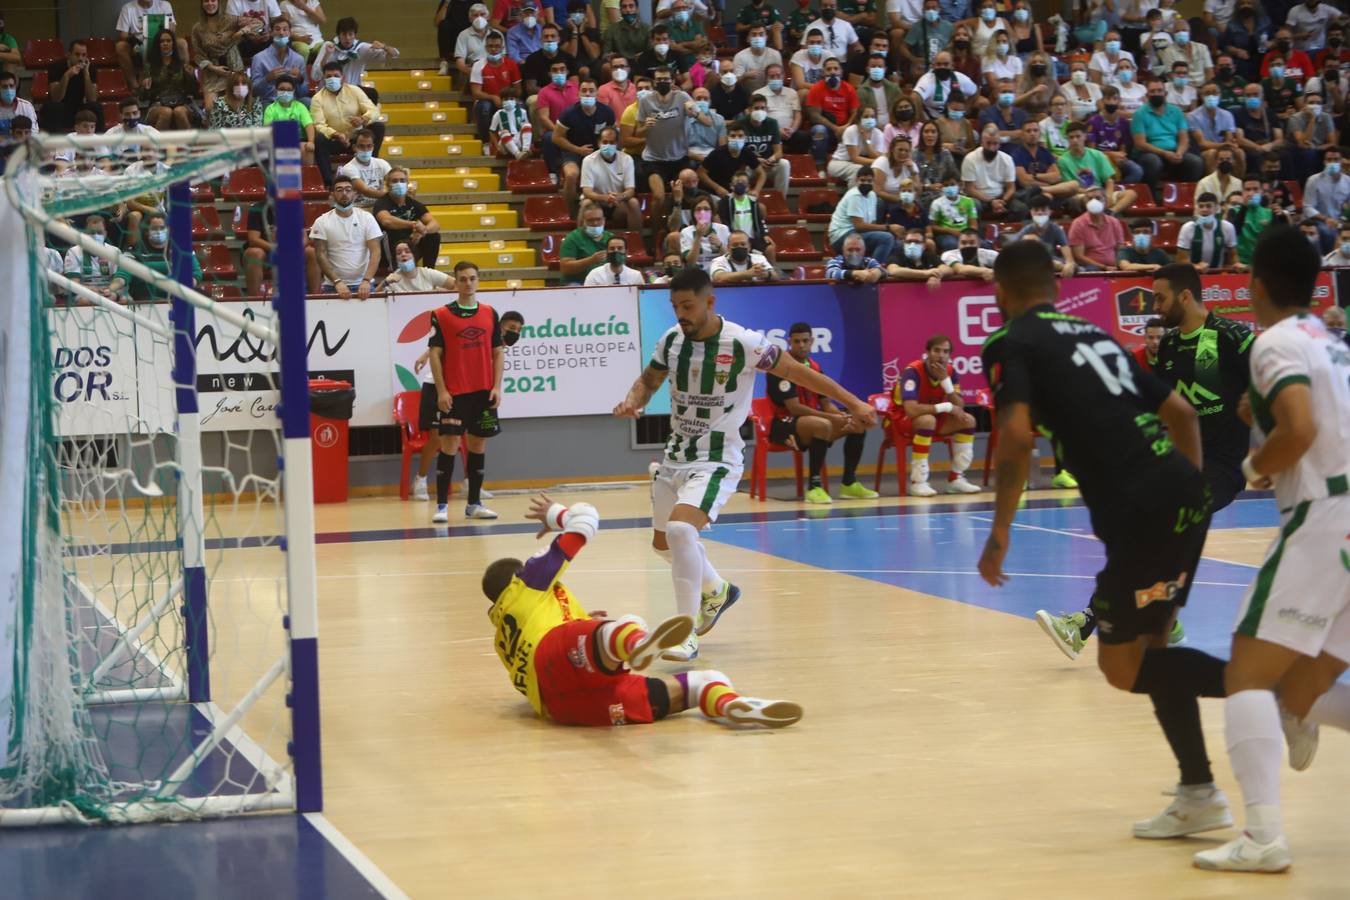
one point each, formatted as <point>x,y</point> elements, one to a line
<point>578,668</point>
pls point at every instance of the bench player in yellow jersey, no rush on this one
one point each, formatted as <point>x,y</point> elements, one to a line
<point>579,670</point>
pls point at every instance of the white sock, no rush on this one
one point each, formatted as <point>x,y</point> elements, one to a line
<point>1332,708</point>
<point>1256,750</point>
<point>712,582</point>
<point>686,567</point>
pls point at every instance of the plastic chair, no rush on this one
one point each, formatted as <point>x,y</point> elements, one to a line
<point>898,434</point>
<point>311,184</point>
<point>218,264</point>
<point>529,176</point>
<point>762,415</point>
<point>40,53</point>
<point>548,212</point>
<point>312,212</point>
<point>245,185</point>
<point>40,88</point>
<point>1165,233</point>
<point>549,246</point>
<point>775,208</point>
<point>205,223</point>
<point>802,171</point>
<point>112,85</point>
<point>1179,197</point>
<point>808,273</point>
<point>794,244</point>
<point>637,249</point>
<point>202,192</point>
<point>407,407</point>
<point>1144,204</point>
<point>102,51</point>
<point>827,197</point>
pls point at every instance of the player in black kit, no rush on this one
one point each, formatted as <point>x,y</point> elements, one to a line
<point>1135,448</point>
<point>1203,357</point>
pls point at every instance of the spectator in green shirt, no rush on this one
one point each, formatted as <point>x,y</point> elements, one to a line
<point>761,12</point>
<point>798,20</point>
<point>627,37</point>
<point>951,214</point>
<point>584,248</point>
<point>152,251</point>
<point>287,109</point>
<point>9,48</point>
<point>1089,168</point>
<point>1250,219</point>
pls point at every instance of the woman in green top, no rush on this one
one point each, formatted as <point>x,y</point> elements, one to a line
<point>236,107</point>
<point>168,86</point>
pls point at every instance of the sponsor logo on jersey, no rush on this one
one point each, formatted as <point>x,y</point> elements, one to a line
<point>725,359</point>
<point>472,333</point>
<point>616,714</point>
<point>1161,592</point>
<point>1195,393</point>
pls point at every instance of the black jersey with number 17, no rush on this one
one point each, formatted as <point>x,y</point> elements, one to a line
<point>1088,396</point>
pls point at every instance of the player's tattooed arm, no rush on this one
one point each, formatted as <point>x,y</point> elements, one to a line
<point>1012,463</point>
<point>648,383</point>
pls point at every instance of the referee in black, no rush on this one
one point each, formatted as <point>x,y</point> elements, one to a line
<point>1134,446</point>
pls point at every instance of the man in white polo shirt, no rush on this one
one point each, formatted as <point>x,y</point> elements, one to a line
<point>608,178</point>
<point>344,249</point>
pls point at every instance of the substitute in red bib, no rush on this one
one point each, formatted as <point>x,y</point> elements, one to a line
<point>467,357</point>
<point>1146,354</point>
<point>929,393</point>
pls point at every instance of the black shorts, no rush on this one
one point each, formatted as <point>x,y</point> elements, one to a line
<point>469,413</point>
<point>1225,482</point>
<point>668,172</point>
<point>783,431</point>
<point>1153,544</point>
<point>426,408</point>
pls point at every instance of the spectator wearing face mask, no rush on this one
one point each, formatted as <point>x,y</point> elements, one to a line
<point>1213,128</point>
<point>1246,38</point>
<point>344,246</point>
<point>1096,237</point>
<point>1295,63</point>
<point>685,30</point>
<point>861,145</point>
<point>1207,241</point>
<point>1282,93</point>
<point>1325,196</point>
<point>577,134</point>
<point>704,240</point>
<point>955,127</point>
<point>487,79</point>
<point>471,44</point>
<point>366,170</point>
<point>609,179</point>
<point>275,61</point>
<point>586,247</point>
<point>918,260</point>
<point>1259,133</point>
<point>728,96</point>
<point>661,55</point>
<point>307,21</point>
<point>579,35</point>
<point>764,14</point>
<point>989,176</point>
<point>1335,51</point>
<point>510,130</point>
<point>407,277</point>
<point>752,62</point>
<point>859,211</point>
<point>1225,179</point>
<point>615,270</point>
<point>151,251</point>
<point>740,210</point>
<point>987,24</point>
<point>924,40</point>
<point>741,264</point>
<point>351,53</point>
<point>840,36</point>
<point>1109,132</point>
<point>784,107</point>
<point>1162,140</point>
<point>704,138</point>
<point>1337,259</point>
<point>526,36</point>
<point>969,259</point>
<point>285,108</point>
<point>724,162</point>
<point>1085,98</point>
<point>936,88</point>
<point>619,92</point>
<point>1104,62</point>
<point>236,107</point>
<point>950,214</point>
<point>628,36</point>
<point>1003,113</point>
<point>1311,132</point>
<point>339,111</point>
<point>1250,218</point>
<point>1132,91</point>
<point>1040,228</point>
<point>1309,23</point>
<point>1141,255</point>
<point>854,264</point>
<point>12,105</point>
<point>1195,54</point>
<point>94,272</point>
<point>808,65</point>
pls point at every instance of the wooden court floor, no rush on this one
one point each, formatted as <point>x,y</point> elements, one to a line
<point>947,750</point>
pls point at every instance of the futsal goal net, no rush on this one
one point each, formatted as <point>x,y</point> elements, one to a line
<point>158,654</point>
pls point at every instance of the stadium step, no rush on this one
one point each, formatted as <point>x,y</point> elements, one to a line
<point>488,255</point>
<point>512,284</point>
<point>476,216</point>
<point>408,81</point>
<point>429,112</point>
<point>444,183</point>
<point>442,146</point>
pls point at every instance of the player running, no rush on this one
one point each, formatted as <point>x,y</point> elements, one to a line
<point>929,395</point>
<point>803,420</point>
<point>1204,357</point>
<point>578,670</point>
<point>712,364</point>
<point>1293,628</point>
<point>1141,483</point>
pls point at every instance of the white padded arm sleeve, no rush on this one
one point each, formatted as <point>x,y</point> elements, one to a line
<point>582,519</point>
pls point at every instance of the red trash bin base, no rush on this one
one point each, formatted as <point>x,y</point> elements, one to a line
<point>328,440</point>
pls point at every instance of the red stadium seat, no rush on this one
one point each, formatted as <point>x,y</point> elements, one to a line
<point>407,406</point>
<point>809,273</point>
<point>817,197</point>
<point>311,184</point>
<point>218,264</point>
<point>1165,233</point>
<point>548,212</point>
<point>529,176</point>
<point>794,244</point>
<point>41,88</point>
<point>549,247</point>
<point>224,292</point>
<point>775,208</point>
<point>995,232</point>
<point>202,192</point>
<point>637,249</point>
<point>803,171</point>
<point>111,84</point>
<point>205,223</point>
<point>112,112</point>
<point>761,414</point>
<point>645,204</point>
<point>1295,192</point>
<point>102,51</point>
<point>312,211</point>
<point>1179,197</point>
<point>40,53</point>
<point>897,433</point>
<point>1144,204</point>
<point>246,185</point>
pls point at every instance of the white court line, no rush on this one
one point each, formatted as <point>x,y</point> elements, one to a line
<point>1091,537</point>
<point>360,862</point>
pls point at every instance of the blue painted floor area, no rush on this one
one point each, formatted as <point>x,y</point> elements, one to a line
<point>271,857</point>
<point>1052,561</point>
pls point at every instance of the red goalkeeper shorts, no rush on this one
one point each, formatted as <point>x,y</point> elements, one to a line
<point>576,691</point>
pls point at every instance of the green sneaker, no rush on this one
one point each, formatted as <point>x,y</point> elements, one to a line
<point>818,495</point>
<point>1065,631</point>
<point>856,491</point>
<point>1178,634</point>
<point>1064,480</point>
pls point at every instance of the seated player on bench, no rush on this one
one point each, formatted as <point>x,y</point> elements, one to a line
<point>579,670</point>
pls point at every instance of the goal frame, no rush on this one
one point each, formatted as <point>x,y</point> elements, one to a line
<point>299,661</point>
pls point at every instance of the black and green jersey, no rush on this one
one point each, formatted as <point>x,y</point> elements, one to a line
<point>1090,397</point>
<point>1209,367</point>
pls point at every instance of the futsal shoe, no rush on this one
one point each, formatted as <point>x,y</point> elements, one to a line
<point>1302,740</point>
<point>1244,854</point>
<point>1177,636</point>
<point>959,485</point>
<point>670,633</point>
<point>686,651</point>
<point>716,604</point>
<point>1192,811</point>
<point>1066,631</point>
<point>818,495</point>
<point>765,713</point>
<point>856,491</point>
<point>1063,479</point>
<point>442,513</point>
<point>921,489</point>
<point>478,511</point>
<point>419,491</point>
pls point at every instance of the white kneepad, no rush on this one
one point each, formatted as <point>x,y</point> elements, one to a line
<point>582,519</point>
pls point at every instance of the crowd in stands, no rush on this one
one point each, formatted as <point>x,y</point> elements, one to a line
<point>946,126</point>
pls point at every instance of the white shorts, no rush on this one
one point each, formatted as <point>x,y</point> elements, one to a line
<point>707,486</point>
<point>1301,596</point>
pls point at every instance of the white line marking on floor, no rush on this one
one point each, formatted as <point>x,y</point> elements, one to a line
<point>360,862</point>
<point>1092,537</point>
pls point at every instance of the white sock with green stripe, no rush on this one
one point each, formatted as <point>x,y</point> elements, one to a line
<point>1332,708</point>
<point>686,567</point>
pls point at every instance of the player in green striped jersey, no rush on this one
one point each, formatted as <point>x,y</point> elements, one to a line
<point>711,364</point>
